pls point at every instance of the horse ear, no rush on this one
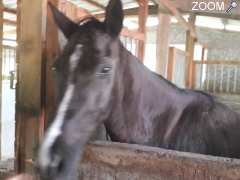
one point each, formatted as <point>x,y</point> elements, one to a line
<point>67,26</point>
<point>114,17</point>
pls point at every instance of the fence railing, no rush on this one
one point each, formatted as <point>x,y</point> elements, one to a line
<point>217,76</point>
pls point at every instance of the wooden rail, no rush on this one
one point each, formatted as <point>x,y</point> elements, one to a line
<point>107,160</point>
<point>10,10</point>
<point>133,34</point>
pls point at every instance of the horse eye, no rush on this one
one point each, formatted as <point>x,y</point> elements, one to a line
<point>54,68</point>
<point>105,70</point>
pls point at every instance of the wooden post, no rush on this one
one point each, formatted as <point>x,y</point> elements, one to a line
<point>163,31</point>
<point>28,95</point>
<point>170,64</point>
<point>190,42</point>
<point>143,13</point>
<point>1,50</point>
<point>51,51</point>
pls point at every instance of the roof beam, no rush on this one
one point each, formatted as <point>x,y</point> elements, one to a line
<point>152,10</point>
<point>171,7</point>
<point>96,4</point>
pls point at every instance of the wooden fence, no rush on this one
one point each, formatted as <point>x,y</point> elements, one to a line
<point>114,161</point>
<point>217,76</point>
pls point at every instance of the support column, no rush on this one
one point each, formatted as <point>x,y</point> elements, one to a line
<point>190,43</point>
<point>163,32</point>
<point>143,13</point>
<point>28,91</point>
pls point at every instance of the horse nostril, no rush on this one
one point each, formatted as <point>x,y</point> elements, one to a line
<point>51,164</point>
<point>57,163</point>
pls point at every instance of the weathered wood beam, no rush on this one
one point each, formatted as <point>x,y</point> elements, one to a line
<point>190,45</point>
<point>163,32</point>
<point>72,11</point>
<point>142,20</point>
<point>28,95</point>
<point>10,10</point>
<point>172,8</point>
<point>94,3</point>
<point>152,10</point>
<point>128,161</point>
<point>133,34</point>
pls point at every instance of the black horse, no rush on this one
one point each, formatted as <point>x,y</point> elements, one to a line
<point>101,82</point>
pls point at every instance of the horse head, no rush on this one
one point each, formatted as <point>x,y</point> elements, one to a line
<point>85,72</point>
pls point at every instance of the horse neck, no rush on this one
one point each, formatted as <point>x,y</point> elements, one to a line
<point>139,96</point>
<point>139,82</point>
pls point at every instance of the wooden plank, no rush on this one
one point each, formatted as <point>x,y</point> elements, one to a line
<point>28,95</point>
<point>10,10</point>
<point>133,34</point>
<point>171,7</point>
<point>107,160</point>
<point>152,10</point>
<point>163,31</point>
<point>143,13</point>
<point>190,43</point>
<point>72,11</point>
<point>170,63</point>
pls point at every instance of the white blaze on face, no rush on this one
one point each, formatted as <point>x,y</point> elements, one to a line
<point>55,129</point>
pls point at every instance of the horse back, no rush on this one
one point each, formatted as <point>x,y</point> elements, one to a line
<point>209,127</point>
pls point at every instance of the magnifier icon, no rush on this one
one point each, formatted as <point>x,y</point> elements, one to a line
<point>232,6</point>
